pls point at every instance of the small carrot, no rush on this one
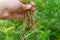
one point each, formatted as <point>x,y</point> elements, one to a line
<point>29,13</point>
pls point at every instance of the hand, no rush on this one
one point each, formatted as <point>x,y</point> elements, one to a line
<point>19,12</point>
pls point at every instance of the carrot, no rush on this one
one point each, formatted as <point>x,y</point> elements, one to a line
<point>29,14</point>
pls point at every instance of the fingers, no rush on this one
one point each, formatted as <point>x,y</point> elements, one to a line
<point>33,9</point>
<point>21,1</point>
<point>32,3</point>
<point>27,6</point>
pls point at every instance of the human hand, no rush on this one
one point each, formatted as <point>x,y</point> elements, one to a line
<point>18,11</point>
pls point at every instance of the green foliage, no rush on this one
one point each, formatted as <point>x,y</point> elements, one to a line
<point>47,21</point>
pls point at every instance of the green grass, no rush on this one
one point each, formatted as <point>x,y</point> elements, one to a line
<point>47,21</point>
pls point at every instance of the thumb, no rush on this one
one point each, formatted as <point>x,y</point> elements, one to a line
<point>28,6</point>
<point>25,7</point>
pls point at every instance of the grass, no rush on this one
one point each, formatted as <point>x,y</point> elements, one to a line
<point>47,21</point>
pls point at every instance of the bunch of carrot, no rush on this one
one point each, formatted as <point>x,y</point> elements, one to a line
<point>28,15</point>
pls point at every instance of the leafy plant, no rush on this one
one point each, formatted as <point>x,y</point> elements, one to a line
<point>47,21</point>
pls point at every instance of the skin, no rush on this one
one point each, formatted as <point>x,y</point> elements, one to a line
<point>15,10</point>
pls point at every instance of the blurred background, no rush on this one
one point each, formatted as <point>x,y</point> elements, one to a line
<point>47,22</point>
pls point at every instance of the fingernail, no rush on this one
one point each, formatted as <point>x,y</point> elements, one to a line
<point>28,6</point>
